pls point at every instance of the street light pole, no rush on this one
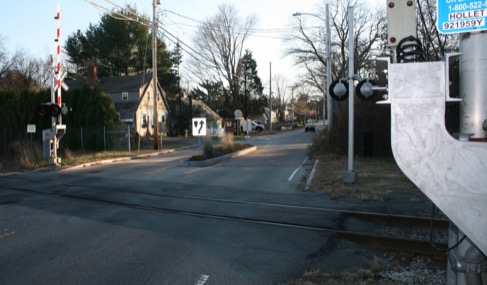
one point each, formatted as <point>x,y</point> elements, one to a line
<point>329,112</point>
<point>326,84</point>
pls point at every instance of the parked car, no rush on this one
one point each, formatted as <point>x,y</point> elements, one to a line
<point>310,127</point>
<point>257,126</point>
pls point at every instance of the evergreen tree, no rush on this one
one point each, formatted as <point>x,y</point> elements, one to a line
<point>172,80</point>
<point>117,46</point>
<point>213,96</point>
<point>250,86</point>
<point>91,108</point>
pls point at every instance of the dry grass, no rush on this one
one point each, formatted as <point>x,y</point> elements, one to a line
<point>24,156</point>
<point>385,271</point>
<point>360,277</point>
<point>226,146</point>
<point>377,177</point>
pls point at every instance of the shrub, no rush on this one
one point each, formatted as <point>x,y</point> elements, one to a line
<point>227,146</point>
<point>227,139</point>
<point>208,148</point>
<point>24,155</point>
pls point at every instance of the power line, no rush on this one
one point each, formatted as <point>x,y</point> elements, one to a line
<point>183,43</point>
<point>199,22</point>
<point>123,17</point>
<point>169,35</point>
<point>112,13</point>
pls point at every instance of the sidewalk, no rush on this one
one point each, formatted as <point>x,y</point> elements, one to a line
<point>191,143</point>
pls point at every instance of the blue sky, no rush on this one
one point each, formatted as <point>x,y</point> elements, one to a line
<point>31,26</point>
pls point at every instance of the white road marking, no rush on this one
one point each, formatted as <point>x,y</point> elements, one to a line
<point>297,169</point>
<point>202,280</point>
<point>294,173</point>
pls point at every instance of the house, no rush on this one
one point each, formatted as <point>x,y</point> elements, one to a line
<point>133,99</point>
<point>264,119</point>
<point>214,123</point>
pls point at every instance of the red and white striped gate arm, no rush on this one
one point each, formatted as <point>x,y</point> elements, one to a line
<point>58,70</point>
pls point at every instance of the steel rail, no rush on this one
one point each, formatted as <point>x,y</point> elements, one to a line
<point>377,241</point>
<point>390,219</point>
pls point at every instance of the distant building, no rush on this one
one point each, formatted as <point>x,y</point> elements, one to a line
<point>133,99</point>
<point>214,123</point>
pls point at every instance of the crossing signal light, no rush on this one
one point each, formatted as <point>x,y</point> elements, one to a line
<point>42,110</point>
<point>52,109</point>
<point>338,90</point>
<point>365,90</point>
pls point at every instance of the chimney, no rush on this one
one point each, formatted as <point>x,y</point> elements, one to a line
<point>91,74</point>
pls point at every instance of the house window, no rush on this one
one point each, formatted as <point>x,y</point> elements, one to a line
<point>144,120</point>
<point>148,96</point>
<point>125,96</point>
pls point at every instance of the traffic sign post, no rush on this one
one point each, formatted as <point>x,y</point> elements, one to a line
<point>461,16</point>
<point>247,127</point>
<point>199,127</point>
<point>31,129</point>
<point>238,116</point>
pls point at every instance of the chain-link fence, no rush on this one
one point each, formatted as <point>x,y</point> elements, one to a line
<point>106,138</point>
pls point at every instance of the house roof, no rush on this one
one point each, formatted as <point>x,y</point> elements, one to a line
<point>115,84</point>
<point>207,110</point>
<point>119,84</point>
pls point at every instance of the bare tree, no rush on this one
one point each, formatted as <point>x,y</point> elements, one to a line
<point>220,41</point>
<point>7,61</point>
<point>305,104</point>
<point>281,94</point>
<point>309,43</point>
<point>435,45</point>
<point>369,40</point>
<point>20,71</point>
<point>35,73</point>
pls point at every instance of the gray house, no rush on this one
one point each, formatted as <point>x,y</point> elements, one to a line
<point>214,123</point>
<point>133,99</point>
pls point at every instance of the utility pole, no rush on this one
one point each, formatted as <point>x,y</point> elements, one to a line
<point>292,105</point>
<point>270,96</point>
<point>246,111</point>
<point>154,73</point>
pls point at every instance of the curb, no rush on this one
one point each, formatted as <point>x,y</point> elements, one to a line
<point>106,161</point>
<point>311,176</point>
<point>213,161</point>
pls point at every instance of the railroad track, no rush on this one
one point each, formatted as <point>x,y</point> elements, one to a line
<point>126,197</point>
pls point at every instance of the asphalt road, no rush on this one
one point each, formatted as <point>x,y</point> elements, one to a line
<point>152,221</point>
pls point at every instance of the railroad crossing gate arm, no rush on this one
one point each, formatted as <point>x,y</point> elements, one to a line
<point>450,172</point>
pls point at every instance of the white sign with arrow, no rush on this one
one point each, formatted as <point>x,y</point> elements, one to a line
<point>199,127</point>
